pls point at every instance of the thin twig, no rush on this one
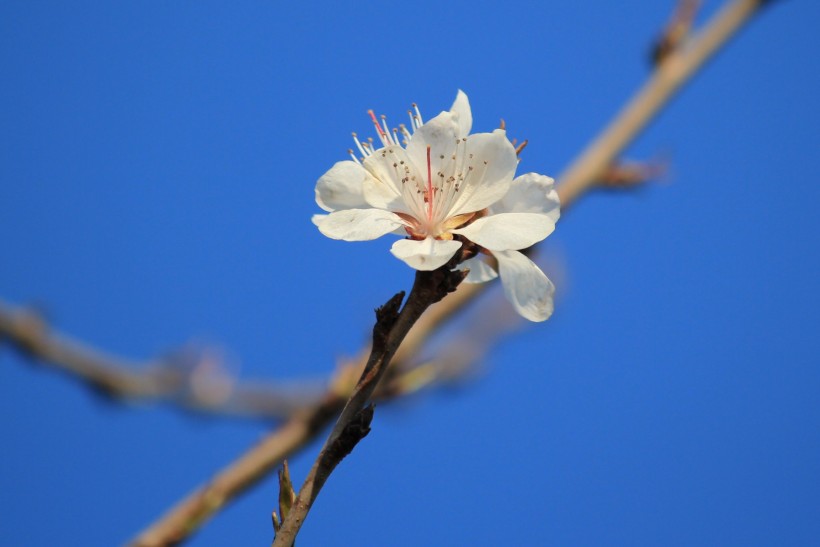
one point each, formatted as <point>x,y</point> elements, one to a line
<point>354,422</point>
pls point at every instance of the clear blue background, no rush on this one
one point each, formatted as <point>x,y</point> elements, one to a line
<point>157,164</point>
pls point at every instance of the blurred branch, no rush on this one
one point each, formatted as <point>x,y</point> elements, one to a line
<point>676,31</point>
<point>198,507</point>
<point>192,379</point>
<point>674,70</point>
<point>290,437</point>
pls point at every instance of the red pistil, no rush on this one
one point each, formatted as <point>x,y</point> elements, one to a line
<point>376,123</point>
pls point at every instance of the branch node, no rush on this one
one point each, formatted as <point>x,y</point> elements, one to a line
<point>676,31</point>
<point>355,431</point>
<point>386,317</point>
<point>622,175</point>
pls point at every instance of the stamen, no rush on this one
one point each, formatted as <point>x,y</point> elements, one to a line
<point>405,133</point>
<point>359,145</point>
<point>418,114</point>
<point>350,151</point>
<point>386,133</point>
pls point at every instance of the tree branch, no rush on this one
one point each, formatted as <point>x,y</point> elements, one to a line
<point>191,379</point>
<point>189,514</point>
<point>674,70</point>
<point>354,422</point>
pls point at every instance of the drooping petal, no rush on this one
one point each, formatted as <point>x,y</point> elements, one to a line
<point>425,255</point>
<point>480,271</point>
<point>461,107</point>
<point>508,231</point>
<point>440,135</point>
<point>493,161</point>
<point>530,193</point>
<point>341,187</point>
<point>525,285</point>
<point>359,224</point>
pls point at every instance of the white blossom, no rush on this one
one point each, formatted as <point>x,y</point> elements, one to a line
<point>440,186</point>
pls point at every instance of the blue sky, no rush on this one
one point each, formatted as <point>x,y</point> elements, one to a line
<point>157,164</point>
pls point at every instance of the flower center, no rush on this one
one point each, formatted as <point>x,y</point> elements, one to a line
<point>432,200</point>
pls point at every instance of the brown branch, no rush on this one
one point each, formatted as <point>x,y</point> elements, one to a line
<point>676,30</point>
<point>354,422</point>
<point>191,379</point>
<point>189,514</point>
<point>675,70</point>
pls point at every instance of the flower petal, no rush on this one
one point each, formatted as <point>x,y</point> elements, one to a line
<point>440,135</point>
<point>480,271</point>
<point>359,224</point>
<point>487,182</point>
<point>531,193</point>
<point>508,231</point>
<point>341,187</point>
<point>425,255</point>
<point>461,107</point>
<point>525,285</point>
<point>388,166</point>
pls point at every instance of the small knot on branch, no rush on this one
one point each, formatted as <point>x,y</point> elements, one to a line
<point>434,285</point>
<point>676,31</point>
<point>355,431</point>
<point>386,317</point>
<point>633,174</point>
